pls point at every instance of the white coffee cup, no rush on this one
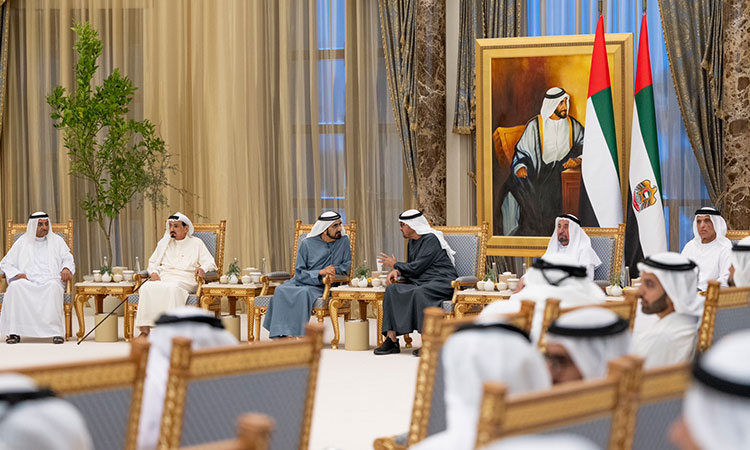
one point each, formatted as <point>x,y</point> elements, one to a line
<point>513,283</point>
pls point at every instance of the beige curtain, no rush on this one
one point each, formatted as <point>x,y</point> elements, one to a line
<point>232,87</point>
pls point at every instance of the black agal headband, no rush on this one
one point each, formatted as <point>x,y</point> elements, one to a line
<point>558,95</point>
<point>714,381</point>
<point>335,216</point>
<point>616,327</point>
<point>166,319</point>
<point>493,326</point>
<point>39,216</point>
<point>410,216</point>
<point>690,265</point>
<point>707,211</point>
<point>571,271</point>
<point>570,217</point>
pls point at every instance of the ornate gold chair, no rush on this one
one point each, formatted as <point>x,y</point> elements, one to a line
<point>725,310</point>
<point>207,389</point>
<point>428,410</point>
<point>107,392</point>
<point>552,311</point>
<point>659,404</point>
<point>320,308</point>
<point>470,245</point>
<point>600,410</point>
<point>609,245</point>
<point>65,230</point>
<point>213,235</point>
<point>253,433</point>
<point>737,235</point>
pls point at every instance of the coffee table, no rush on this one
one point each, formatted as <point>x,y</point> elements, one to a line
<point>99,291</point>
<point>467,299</point>
<point>363,296</point>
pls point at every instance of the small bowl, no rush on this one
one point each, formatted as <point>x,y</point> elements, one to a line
<point>480,285</point>
<point>501,286</point>
<point>377,282</point>
<point>489,286</point>
<point>128,275</point>
<point>117,277</point>
<point>88,278</point>
<point>513,283</point>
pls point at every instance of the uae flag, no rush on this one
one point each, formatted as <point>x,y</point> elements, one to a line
<point>646,233</point>
<point>600,194</point>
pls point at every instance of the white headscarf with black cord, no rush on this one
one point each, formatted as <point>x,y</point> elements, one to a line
<point>720,226</point>
<point>579,244</point>
<point>205,331</point>
<point>741,262</point>
<point>678,276</point>
<point>418,222</point>
<point>717,406</point>
<point>324,221</point>
<point>473,355</point>
<point>32,418</point>
<point>21,256</point>
<point>593,337</point>
<point>161,246</point>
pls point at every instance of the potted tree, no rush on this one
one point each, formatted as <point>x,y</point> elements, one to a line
<point>117,156</point>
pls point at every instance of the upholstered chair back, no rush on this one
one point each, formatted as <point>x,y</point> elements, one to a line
<point>469,243</point>
<point>16,230</point>
<point>301,231</point>
<point>213,236</point>
<point>660,404</point>
<point>208,389</point>
<point>107,392</point>
<point>609,244</point>
<point>725,310</point>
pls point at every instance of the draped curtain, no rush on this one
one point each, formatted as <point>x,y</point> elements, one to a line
<point>233,88</point>
<point>693,37</point>
<point>479,19</point>
<point>398,29</point>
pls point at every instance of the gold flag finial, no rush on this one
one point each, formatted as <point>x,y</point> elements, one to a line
<point>600,7</point>
<point>645,5</point>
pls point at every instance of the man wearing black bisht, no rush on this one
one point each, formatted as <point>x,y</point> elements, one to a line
<point>426,280</point>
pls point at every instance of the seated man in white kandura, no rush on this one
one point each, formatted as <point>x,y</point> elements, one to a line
<point>178,259</point>
<point>570,239</point>
<point>37,267</point>
<point>710,248</point>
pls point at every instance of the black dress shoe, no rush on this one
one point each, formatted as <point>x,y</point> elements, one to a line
<point>58,340</point>
<point>13,339</point>
<point>416,352</point>
<point>388,347</point>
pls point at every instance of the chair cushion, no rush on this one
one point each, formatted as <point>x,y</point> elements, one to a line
<point>133,299</point>
<point>66,297</point>
<point>192,300</point>
<point>320,303</point>
<point>447,306</point>
<point>466,247</point>
<point>263,301</point>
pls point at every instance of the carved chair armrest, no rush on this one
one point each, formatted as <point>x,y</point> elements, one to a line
<point>210,276</point>
<point>3,282</point>
<point>268,278</point>
<point>140,278</point>
<point>329,280</point>
<point>467,281</point>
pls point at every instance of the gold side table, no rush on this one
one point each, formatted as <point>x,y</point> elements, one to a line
<point>464,301</point>
<point>363,296</point>
<point>246,292</point>
<point>99,291</point>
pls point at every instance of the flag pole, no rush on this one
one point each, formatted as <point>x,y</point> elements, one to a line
<point>645,4</point>
<point>600,7</point>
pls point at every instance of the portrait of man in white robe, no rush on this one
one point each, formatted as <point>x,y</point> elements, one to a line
<point>173,267</point>
<point>551,142</point>
<point>37,267</point>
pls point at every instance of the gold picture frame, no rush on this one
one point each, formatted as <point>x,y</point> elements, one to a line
<point>578,47</point>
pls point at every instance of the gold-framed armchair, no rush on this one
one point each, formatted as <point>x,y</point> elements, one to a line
<point>253,433</point>
<point>64,230</point>
<point>470,245</point>
<point>725,310</point>
<point>107,392</point>
<point>428,410</point>
<point>320,308</point>
<point>662,390</point>
<point>213,236</point>
<point>609,245</point>
<point>601,410</point>
<point>737,235</point>
<point>552,311</point>
<point>208,389</point>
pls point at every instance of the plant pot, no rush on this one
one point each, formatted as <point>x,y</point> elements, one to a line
<point>489,286</point>
<point>233,279</point>
<point>106,278</point>
<point>363,282</point>
<point>480,285</point>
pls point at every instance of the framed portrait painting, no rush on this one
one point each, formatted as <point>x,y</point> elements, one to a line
<point>531,119</point>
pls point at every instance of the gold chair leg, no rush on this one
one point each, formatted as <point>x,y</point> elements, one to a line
<point>68,308</point>
<point>125,323</point>
<point>131,320</point>
<point>78,302</point>
<point>250,307</point>
<point>333,311</point>
<point>257,313</point>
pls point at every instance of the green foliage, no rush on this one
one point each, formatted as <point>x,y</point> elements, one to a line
<point>490,275</point>
<point>105,269</point>
<point>234,269</point>
<point>362,271</point>
<point>119,157</point>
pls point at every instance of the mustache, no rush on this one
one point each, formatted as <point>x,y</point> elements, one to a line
<point>172,234</point>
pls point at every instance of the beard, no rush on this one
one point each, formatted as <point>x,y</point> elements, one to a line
<point>172,234</point>
<point>563,241</point>
<point>561,114</point>
<point>655,307</point>
<point>335,236</point>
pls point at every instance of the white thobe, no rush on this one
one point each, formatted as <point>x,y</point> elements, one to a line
<point>670,340</point>
<point>713,259</point>
<point>33,307</point>
<point>176,271</point>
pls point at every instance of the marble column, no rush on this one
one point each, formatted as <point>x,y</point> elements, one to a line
<point>430,108</point>
<point>735,105</point>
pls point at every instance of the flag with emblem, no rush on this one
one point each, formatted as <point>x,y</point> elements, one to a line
<point>646,230</point>
<point>601,201</point>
